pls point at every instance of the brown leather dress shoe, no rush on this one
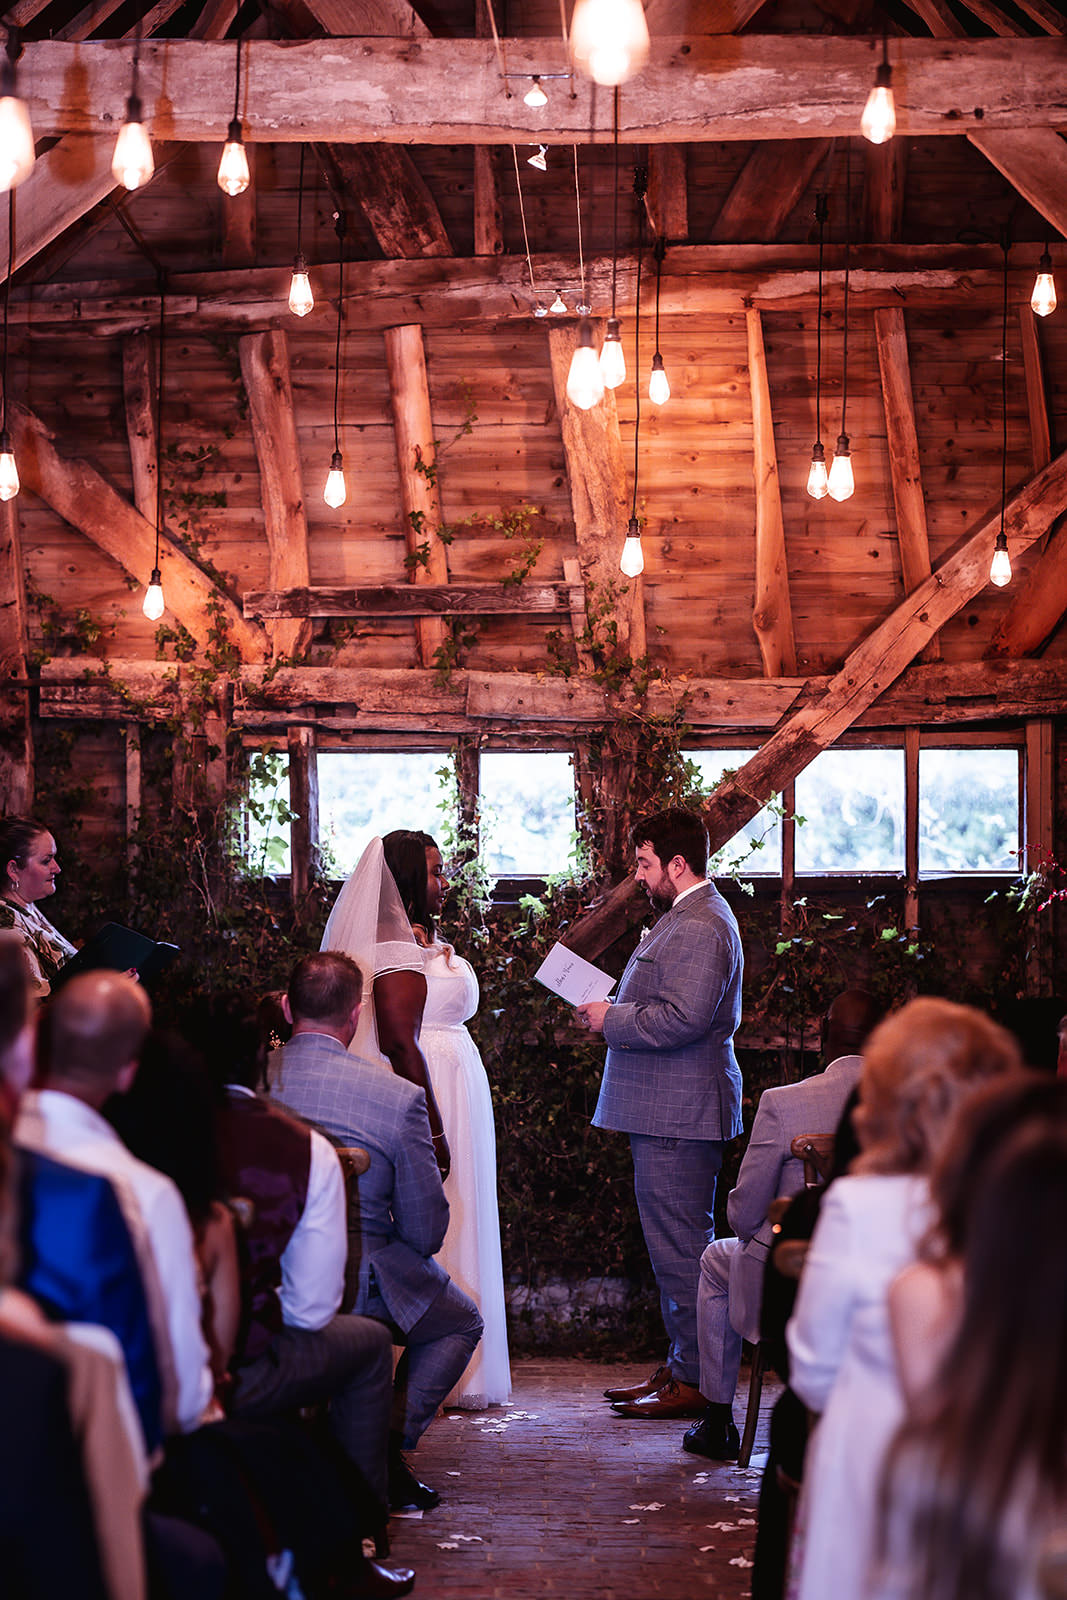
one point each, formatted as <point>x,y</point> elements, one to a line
<point>672,1399</point>
<point>661,1376</point>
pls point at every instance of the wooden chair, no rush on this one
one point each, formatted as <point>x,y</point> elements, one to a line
<point>354,1163</point>
<point>816,1150</point>
<point>755,1394</point>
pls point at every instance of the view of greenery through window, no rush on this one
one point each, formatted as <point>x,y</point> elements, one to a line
<point>757,849</point>
<point>852,802</point>
<point>368,792</point>
<point>968,810</point>
<point>527,812</point>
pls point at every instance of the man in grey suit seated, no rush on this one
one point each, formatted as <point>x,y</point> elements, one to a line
<point>403,1210</point>
<point>731,1270</point>
<point>671,1081</point>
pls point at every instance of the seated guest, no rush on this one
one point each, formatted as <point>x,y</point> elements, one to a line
<point>403,1210</point>
<point>976,1478</point>
<point>28,872</point>
<point>74,1251</point>
<point>731,1270</point>
<point>918,1066</point>
<point>91,1036</point>
<point>286,1349</point>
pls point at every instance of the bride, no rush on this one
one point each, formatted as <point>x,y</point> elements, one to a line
<point>417,996</point>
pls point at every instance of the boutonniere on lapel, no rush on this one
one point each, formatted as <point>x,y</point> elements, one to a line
<point>643,935</point>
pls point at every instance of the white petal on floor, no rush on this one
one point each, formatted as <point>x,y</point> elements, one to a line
<point>453,1474</point>
<point>446,1544</point>
<point>740,1561</point>
<point>653,1505</point>
<point>631,1522</point>
<point>721,1527</point>
<point>704,1548</point>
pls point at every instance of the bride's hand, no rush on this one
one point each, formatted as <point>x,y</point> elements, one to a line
<point>442,1155</point>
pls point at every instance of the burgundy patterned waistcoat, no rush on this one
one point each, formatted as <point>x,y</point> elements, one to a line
<point>266,1157</point>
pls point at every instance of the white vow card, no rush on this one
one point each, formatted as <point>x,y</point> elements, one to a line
<point>572,978</point>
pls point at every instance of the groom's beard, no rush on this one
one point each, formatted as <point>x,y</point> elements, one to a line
<point>661,893</point>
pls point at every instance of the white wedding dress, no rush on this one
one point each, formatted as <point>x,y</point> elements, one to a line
<point>471,1251</point>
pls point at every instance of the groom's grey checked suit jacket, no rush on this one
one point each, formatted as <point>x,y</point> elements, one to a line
<point>403,1210</point>
<point>671,1069</point>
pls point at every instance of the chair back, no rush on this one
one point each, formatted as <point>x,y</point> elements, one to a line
<point>816,1151</point>
<point>355,1161</point>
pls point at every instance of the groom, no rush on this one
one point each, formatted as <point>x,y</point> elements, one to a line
<point>671,1081</point>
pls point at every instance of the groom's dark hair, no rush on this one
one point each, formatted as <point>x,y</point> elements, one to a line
<point>674,833</point>
<point>325,987</point>
<point>405,856</point>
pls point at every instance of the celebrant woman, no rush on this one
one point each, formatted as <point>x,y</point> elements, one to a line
<point>29,871</point>
<point>418,996</point>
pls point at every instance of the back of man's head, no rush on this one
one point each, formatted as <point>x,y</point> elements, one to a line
<point>849,1019</point>
<point>325,989</point>
<point>92,1034</point>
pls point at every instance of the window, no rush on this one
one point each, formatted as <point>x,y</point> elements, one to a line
<point>368,792</point>
<point>968,810</point>
<point>267,814</point>
<point>852,802</point>
<point>756,850</point>
<point>527,812</point>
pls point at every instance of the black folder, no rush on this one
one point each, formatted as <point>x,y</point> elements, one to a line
<point>118,949</point>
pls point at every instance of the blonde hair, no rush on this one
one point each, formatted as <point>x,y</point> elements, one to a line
<point>919,1064</point>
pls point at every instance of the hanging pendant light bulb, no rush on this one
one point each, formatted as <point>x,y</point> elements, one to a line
<point>335,492</point>
<point>538,159</point>
<point>609,40</point>
<point>612,356</point>
<point>841,481</point>
<point>16,134</point>
<point>540,310</point>
<point>9,472</point>
<point>301,299</point>
<point>632,560</point>
<point>1043,299</point>
<point>659,390</point>
<point>234,176</point>
<point>153,604</point>
<point>818,485</point>
<point>535,97</point>
<point>133,164</point>
<point>879,120</point>
<point>585,381</point>
<point>1000,566</point>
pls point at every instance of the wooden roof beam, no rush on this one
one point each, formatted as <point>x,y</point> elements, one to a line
<point>774,177</point>
<point>1034,161</point>
<point>268,385</point>
<point>596,473</point>
<point>448,91</point>
<point>417,600</point>
<point>77,492</point>
<point>772,615</point>
<point>416,457</point>
<point>16,728</point>
<point>903,441</point>
<point>885,168</point>
<point>868,671</point>
<point>139,401</point>
<point>384,182</point>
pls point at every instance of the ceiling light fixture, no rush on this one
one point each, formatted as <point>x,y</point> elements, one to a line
<point>609,40</point>
<point>301,299</point>
<point>559,305</point>
<point>335,492</point>
<point>879,120</point>
<point>9,472</point>
<point>632,559</point>
<point>817,484</point>
<point>535,97</point>
<point>153,604</point>
<point>234,176</point>
<point>1000,566</point>
<point>583,307</point>
<point>540,309</point>
<point>612,358</point>
<point>841,483</point>
<point>659,390</point>
<point>538,159</point>
<point>133,164</point>
<point>16,134</point>
<point>1043,299</point>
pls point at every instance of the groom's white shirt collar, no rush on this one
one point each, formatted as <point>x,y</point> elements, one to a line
<point>692,889</point>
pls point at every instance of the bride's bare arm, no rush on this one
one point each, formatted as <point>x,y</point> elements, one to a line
<point>399,998</point>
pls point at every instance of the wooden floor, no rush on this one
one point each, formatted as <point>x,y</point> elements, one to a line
<point>557,1496</point>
